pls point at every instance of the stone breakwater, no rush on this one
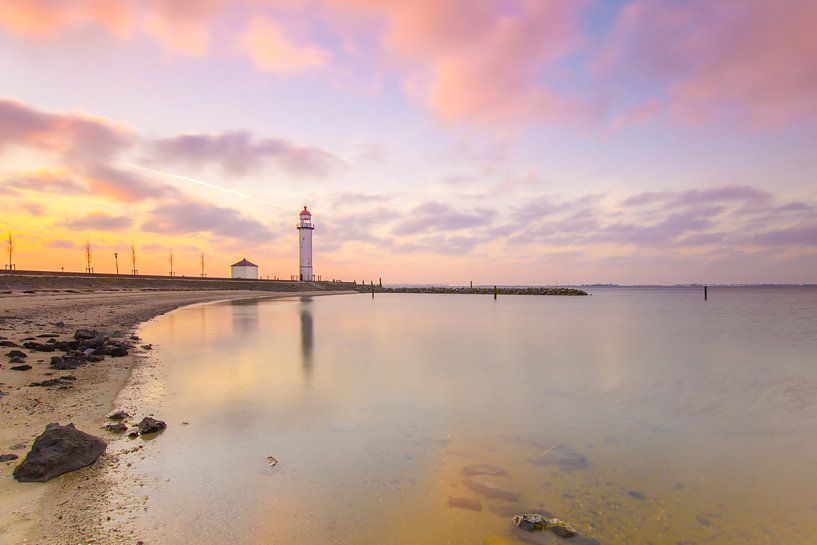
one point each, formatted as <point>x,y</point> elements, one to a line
<point>477,291</point>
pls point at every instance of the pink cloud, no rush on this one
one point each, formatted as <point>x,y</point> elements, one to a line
<point>45,18</point>
<point>479,61</point>
<point>76,137</point>
<point>272,51</point>
<point>752,60</point>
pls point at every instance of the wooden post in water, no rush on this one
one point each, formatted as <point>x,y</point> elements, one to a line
<point>372,290</point>
<point>472,284</point>
<point>494,293</point>
<point>706,293</point>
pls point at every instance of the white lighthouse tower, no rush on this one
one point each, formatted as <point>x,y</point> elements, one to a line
<point>305,228</point>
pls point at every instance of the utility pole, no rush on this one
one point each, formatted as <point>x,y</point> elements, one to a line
<point>134,270</point>
<point>171,262</point>
<point>10,244</point>
<point>88,256</point>
<point>203,275</point>
<point>116,260</point>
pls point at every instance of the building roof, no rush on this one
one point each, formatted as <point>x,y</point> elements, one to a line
<point>244,263</point>
<point>305,212</point>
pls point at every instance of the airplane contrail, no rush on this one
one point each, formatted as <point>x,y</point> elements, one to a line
<point>201,182</point>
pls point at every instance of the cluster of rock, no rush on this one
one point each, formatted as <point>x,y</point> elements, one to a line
<point>60,449</point>
<point>88,346</point>
<point>494,486</point>
<point>146,426</point>
<point>479,290</point>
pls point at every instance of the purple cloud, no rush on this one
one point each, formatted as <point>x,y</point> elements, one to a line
<point>436,216</point>
<point>189,217</point>
<point>240,152</point>
<point>801,235</point>
<point>77,139</point>
<point>99,220</point>
<point>695,197</point>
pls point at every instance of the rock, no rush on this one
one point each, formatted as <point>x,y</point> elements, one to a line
<point>39,347</point>
<point>49,382</point>
<point>482,469</point>
<point>151,425</point>
<point>85,334</point>
<point>533,522</point>
<point>58,450</point>
<point>61,364</point>
<point>637,495</point>
<point>133,434</point>
<point>272,461</point>
<point>464,503</point>
<point>119,351</point>
<point>17,360</point>
<point>565,457</point>
<point>10,344</point>
<point>119,415</point>
<point>16,354</point>
<point>119,427</point>
<point>47,336</point>
<point>7,457</point>
<point>20,368</point>
<point>147,347</point>
<point>490,488</point>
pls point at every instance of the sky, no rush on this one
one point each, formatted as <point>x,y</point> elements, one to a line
<point>445,141</point>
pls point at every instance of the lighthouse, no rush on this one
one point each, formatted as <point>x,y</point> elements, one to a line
<point>305,228</point>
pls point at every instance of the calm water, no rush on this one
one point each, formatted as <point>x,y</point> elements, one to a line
<point>698,421</point>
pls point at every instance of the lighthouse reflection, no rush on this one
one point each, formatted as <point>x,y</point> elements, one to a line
<point>307,337</point>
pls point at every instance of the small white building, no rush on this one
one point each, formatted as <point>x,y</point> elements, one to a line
<point>244,269</point>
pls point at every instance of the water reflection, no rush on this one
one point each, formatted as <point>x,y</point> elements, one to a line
<point>307,337</point>
<point>639,416</point>
<point>244,316</point>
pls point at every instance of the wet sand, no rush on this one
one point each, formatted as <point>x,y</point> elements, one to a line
<point>63,510</point>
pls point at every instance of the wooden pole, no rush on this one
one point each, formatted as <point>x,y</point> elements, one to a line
<point>373,290</point>
<point>706,293</point>
<point>494,293</point>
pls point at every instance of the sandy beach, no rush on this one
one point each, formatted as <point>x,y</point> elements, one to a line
<point>66,509</point>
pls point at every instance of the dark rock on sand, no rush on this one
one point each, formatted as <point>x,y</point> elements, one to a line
<point>7,457</point>
<point>133,434</point>
<point>565,457</point>
<point>118,351</point>
<point>465,503</point>
<point>119,427</point>
<point>85,334</point>
<point>20,368</point>
<point>58,450</point>
<point>147,347</point>
<point>17,360</point>
<point>637,495</point>
<point>49,382</point>
<point>39,347</point>
<point>119,415</point>
<point>61,364</point>
<point>16,354</point>
<point>483,469</point>
<point>151,425</point>
<point>10,344</point>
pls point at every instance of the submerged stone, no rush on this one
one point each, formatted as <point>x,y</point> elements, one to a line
<point>489,487</point>
<point>464,503</point>
<point>565,457</point>
<point>482,469</point>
